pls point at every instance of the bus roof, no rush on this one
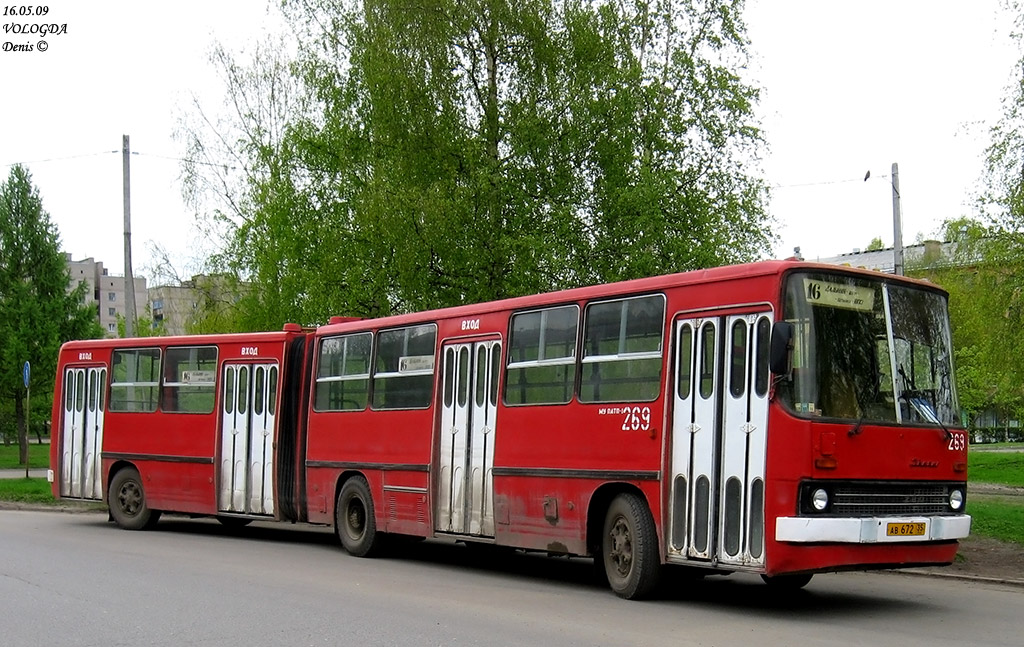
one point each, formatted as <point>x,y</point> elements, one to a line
<point>633,286</point>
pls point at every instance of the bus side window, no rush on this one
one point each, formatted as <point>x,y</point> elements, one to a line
<point>403,376</point>
<point>135,380</point>
<point>190,374</point>
<point>343,373</point>
<point>622,350</point>
<point>542,356</point>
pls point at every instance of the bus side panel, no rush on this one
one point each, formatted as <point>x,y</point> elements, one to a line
<point>406,507</point>
<point>173,486</point>
<point>550,460</point>
<point>395,443</point>
<point>174,454</point>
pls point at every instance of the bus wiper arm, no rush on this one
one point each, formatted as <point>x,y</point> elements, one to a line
<point>855,430</point>
<point>928,415</point>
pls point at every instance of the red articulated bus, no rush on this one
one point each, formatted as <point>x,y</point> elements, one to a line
<point>780,418</point>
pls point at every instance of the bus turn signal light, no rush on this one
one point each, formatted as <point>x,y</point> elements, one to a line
<point>826,462</point>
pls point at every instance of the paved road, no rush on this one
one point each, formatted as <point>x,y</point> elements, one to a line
<point>74,579</point>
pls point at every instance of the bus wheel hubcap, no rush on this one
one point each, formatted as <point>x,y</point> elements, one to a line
<point>621,550</point>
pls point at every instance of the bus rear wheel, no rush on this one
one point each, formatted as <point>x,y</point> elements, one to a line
<point>354,520</point>
<point>126,499</point>
<point>629,548</point>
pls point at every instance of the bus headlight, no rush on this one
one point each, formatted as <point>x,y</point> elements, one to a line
<point>819,499</point>
<point>956,499</point>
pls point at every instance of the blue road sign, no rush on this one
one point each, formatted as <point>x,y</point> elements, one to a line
<point>26,372</point>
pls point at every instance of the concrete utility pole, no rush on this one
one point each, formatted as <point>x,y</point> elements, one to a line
<point>897,224</point>
<point>129,280</point>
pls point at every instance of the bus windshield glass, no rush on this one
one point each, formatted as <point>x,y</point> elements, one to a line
<point>868,350</point>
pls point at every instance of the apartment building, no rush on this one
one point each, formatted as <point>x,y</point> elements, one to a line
<point>106,292</point>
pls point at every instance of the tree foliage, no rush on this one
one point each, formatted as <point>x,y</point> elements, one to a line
<point>444,152</point>
<point>982,273</point>
<point>986,277</point>
<point>37,313</point>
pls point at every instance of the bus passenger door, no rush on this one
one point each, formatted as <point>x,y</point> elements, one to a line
<point>465,501</point>
<point>248,415</point>
<point>716,495</point>
<point>694,432</point>
<point>744,425</point>
<point>82,437</point>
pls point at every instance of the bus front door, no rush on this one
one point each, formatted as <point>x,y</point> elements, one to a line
<point>248,413</point>
<point>81,473</point>
<point>465,500</point>
<point>720,414</point>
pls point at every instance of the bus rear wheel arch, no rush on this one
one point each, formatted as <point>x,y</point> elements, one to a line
<point>126,499</point>
<point>355,523</point>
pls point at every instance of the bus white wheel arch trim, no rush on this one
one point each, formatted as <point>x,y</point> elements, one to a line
<point>869,530</point>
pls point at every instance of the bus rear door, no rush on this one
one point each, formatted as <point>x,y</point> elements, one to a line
<point>81,473</point>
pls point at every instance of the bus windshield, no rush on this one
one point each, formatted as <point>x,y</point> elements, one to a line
<point>868,350</point>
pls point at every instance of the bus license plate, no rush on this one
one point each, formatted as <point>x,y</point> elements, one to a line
<point>905,529</point>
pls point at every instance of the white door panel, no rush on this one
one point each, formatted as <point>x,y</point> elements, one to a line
<point>82,433</point>
<point>716,504</point>
<point>248,416</point>
<point>465,502</point>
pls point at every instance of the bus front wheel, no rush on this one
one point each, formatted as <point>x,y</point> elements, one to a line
<point>126,499</point>
<point>354,520</point>
<point>629,548</point>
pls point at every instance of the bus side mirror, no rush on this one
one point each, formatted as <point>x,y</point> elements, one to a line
<point>782,344</point>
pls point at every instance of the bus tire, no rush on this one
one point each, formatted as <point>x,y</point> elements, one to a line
<point>787,582</point>
<point>354,520</point>
<point>126,499</point>
<point>629,548</point>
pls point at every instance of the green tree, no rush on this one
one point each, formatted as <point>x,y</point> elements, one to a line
<point>994,248</point>
<point>37,312</point>
<point>452,151</point>
<point>875,245</point>
<point>986,313</point>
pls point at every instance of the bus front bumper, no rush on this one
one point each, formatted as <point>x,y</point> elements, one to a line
<point>871,530</point>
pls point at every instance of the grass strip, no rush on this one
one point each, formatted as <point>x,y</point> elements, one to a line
<point>26,490</point>
<point>38,456</point>
<point>998,518</point>
<point>1004,468</point>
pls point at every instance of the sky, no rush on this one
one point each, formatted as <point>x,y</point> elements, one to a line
<point>847,88</point>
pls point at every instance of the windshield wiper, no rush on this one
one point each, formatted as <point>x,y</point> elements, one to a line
<point>855,430</point>
<point>923,408</point>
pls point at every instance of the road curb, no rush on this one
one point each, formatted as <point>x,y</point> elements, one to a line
<point>958,576</point>
<point>72,508</point>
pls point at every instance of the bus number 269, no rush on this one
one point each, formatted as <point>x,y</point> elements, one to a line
<point>637,419</point>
